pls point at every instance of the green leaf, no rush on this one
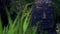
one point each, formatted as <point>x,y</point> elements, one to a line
<point>1,31</point>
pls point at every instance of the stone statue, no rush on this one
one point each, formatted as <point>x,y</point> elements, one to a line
<point>43,11</point>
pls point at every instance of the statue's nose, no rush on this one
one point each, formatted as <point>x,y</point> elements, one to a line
<point>44,15</point>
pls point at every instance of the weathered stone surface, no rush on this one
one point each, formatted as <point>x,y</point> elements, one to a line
<point>43,10</point>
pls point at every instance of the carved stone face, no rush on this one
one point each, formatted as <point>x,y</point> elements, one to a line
<point>44,5</point>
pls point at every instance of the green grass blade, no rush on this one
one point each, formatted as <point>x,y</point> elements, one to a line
<point>9,17</point>
<point>26,23</point>
<point>1,31</point>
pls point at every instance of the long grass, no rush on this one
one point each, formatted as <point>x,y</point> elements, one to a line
<point>20,25</point>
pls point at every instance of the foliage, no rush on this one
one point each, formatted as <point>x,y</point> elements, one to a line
<point>57,7</point>
<point>20,25</point>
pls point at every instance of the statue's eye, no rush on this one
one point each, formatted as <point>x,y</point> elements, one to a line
<point>49,4</point>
